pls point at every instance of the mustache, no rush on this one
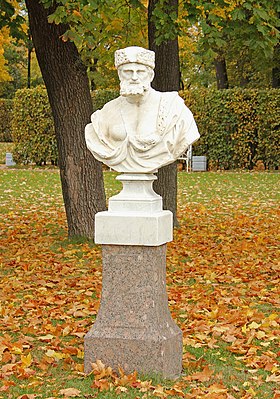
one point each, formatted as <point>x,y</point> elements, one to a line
<point>128,89</point>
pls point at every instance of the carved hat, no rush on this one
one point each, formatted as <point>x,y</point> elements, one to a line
<point>135,54</point>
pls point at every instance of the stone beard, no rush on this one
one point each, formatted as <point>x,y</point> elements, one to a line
<point>128,89</point>
<point>143,129</point>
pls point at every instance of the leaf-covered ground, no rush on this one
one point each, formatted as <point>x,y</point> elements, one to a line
<point>223,288</point>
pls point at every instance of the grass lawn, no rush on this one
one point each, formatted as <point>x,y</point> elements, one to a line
<point>223,289</point>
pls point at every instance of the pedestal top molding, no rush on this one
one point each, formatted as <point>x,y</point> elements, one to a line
<point>137,195</point>
<point>135,215</point>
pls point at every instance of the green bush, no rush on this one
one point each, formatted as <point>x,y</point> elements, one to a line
<point>33,128</point>
<point>101,97</point>
<point>6,108</point>
<point>239,127</point>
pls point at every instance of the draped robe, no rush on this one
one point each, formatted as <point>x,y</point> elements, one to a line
<point>110,140</point>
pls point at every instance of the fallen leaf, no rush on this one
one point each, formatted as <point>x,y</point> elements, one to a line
<point>26,360</point>
<point>70,392</point>
<point>273,378</point>
<point>201,376</point>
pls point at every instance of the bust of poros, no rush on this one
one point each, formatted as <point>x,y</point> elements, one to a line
<point>143,129</point>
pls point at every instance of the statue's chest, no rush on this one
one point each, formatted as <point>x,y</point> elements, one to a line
<point>139,120</point>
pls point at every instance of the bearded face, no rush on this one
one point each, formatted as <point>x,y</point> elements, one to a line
<point>135,79</point>
<point>133,89</point>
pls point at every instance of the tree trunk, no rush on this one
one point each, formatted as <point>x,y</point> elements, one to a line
<point>221,72</point>
<point>69,95</point>
<point>167,78</point>
<point>276,68</point>
<point>29,54</point>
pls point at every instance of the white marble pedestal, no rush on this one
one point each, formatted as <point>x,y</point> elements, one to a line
<point>134,328</point>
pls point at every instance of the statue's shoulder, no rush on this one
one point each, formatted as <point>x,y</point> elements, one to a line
<point>171,97</point>
<point>110,105</point>
<point>104,115</point>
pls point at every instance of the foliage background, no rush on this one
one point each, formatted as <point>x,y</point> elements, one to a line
<point>6,109</point>
<point>33,127</point>
<point>239,127</point>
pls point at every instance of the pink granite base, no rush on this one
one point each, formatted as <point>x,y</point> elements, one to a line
<point>134,328</point>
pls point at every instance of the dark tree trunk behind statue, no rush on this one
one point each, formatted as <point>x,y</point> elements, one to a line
<point>276,67</point>
<point>69,95</point>
<point>167,78</point>
<point>221,72</point>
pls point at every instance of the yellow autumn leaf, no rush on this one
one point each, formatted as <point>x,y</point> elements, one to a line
<point>80,354</point>
<point>274,369</point>
<point>251,392</point>
<point>55,355</point>
<point>66,331</point>
<point>254,325</point>
<point>26,360</point>
<point>260,334</point>
<point>273,316</point>
<point>47,337</point>
<point>79,367</point>
<point>16,350</point>
<point>159,391</point>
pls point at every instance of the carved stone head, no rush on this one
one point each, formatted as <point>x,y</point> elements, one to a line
<point>135,69</point>
<point>135,54</point>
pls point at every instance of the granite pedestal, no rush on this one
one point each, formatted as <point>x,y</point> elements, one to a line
<point>134,328</point>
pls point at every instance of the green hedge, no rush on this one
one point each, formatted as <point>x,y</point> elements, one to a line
<point>33,128</point>
<point>101,97</point>
<point>239,128</point>
<point>6,108</point>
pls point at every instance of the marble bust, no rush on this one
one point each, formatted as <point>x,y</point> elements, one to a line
<point>143,129</point>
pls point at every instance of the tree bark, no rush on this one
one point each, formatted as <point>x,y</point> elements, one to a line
<point>29,55</point>
<point>167,78</point>
<point>69,95</point>
<point>276,68</point>
<point>221,72</point>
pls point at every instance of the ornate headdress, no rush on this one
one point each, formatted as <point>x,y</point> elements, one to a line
<point>135,54</point>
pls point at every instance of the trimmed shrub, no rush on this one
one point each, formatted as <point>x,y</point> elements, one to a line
<point>101,97</point>
<point>33,128</point>
<point>6,109</point>
<point>269,128</point>
<point>239,127</point>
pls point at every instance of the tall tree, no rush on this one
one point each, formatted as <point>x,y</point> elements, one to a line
<point>230,27</point>
<point>163,15</point>
<point>276,67</point>
<point>29,57</point>
<point>68,89</point>
<point>4,38</point>
<point>276,62</point>
<point>221,72</point>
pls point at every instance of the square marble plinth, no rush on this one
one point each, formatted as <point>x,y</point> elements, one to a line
<point>134,328</point>
<point>133,228</point>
